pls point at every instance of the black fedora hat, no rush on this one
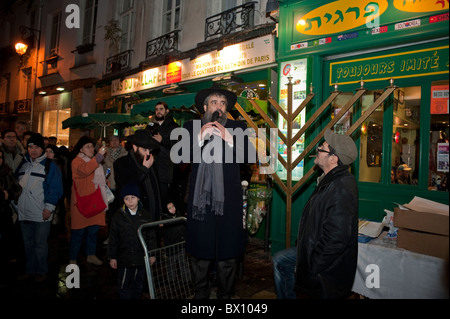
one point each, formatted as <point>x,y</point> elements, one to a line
<point>144,139</point>
<point>203,94</point>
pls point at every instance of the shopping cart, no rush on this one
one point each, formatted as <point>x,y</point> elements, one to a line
<point>169,277</point>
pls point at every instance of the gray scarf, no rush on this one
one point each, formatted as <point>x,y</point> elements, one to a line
<point>209,189</point>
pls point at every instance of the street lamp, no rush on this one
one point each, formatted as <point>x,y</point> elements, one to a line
<point>21,49</point>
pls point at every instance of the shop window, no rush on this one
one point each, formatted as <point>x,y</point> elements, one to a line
<point>405,136</point>
<point>371,136</point>
<point>52,126</point>
<point>439,130</point>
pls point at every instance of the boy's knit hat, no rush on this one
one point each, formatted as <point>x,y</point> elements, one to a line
<point>130,189</point>
<point>36,139</point>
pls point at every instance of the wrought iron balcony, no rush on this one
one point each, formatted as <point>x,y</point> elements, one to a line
<point>22,106</point>
<point>118,62</point>
<point>162,45</point>
<point>233,20</point>
<point>4,108</point>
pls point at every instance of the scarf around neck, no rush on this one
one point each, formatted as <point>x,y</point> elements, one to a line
<point>209,188</point>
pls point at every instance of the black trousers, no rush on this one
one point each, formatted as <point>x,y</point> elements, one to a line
<point>225,274</point>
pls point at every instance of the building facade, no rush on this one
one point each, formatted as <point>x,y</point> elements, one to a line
<point>352,46</point>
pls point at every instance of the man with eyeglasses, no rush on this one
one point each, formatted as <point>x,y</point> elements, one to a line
<point>323,264</point>
<point>13,149</point>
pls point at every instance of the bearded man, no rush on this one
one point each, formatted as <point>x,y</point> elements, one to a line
<point>161,127</point>
<point>215,233</point>
<point>136,167</point>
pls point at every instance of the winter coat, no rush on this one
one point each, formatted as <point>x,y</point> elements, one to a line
<point>128,170</point>
<point>40,189</point>
<point>123,242</point>
<point>109,163</point>
<point>327,248</point>
<point>83,175</point>
<point>163,166</point>
<point>218,237</point>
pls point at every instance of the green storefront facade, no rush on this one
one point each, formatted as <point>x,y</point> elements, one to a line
<point>348,44</point>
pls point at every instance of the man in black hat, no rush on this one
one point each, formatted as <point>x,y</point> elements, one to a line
<point>136,167</point>
<point>215,221</point>
<point>323,264</point>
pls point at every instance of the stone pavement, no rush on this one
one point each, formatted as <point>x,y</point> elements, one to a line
<point>255,280</point>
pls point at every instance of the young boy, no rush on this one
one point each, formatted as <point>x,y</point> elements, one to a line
<point>173,234</point>
<point>125,251</point>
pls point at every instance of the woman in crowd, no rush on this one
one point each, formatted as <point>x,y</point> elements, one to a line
<point>87,176</point>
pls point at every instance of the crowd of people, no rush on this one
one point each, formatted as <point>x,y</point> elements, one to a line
<point>97,185</point>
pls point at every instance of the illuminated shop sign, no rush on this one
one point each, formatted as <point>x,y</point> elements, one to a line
<point>239,56</point>
<point>248,54</point>
<point>399,65</point>
<point>342,16</point>
<point>141,81</point>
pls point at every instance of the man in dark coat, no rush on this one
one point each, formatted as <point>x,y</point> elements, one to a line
<point>324,262</point>
<point>215,220</point>
<point>161,127</point>
<point>136,167</point>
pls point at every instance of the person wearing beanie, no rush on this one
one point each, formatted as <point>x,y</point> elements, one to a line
<point>87,177</point>
<point>41,182</point>
<point>323,264</point>
<point>125,251</point>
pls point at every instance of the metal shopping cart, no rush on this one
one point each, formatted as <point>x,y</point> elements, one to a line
<point>169,277</point>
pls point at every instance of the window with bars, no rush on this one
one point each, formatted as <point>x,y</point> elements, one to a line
<point>90,21</point>
<point>124,12</point>
<point>55,30</point>
<point>171,15</point>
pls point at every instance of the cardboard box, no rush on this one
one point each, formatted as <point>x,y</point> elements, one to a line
<point>430,222</point>
<point>423,243</point>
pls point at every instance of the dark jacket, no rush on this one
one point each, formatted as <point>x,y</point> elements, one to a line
<point>163,165</point>
<point>218,237</point>
<point>173,233</point>
<point>128,170</point>
<point>123,242</point>
<point>327,248</point>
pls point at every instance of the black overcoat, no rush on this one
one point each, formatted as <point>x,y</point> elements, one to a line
<point>327,248</point>
<point>219,237</point>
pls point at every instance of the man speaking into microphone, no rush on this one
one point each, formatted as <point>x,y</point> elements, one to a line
<point>215,234</point>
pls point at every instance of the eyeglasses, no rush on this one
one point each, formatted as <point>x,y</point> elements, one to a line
<point>323,151</point>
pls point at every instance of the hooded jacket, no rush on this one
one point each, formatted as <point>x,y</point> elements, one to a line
<point>40,190</point>
<point>327,248</point>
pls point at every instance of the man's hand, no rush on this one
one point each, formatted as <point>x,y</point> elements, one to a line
<point>148,160</point>
<point>157,137</point>
<point>223,133</point>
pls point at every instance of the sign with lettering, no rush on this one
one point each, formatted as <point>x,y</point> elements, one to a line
<point>399,65</point>
<point>243,55</point>
<point>141,81</point>
<point>342,16</point>
<point>252,53</point>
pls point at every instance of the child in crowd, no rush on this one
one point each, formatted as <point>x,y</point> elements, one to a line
<point>125,251</point>
<point>174,234</point>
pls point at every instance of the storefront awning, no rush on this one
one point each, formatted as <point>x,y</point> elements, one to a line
<point>103,120</point>
<point>186,102</point>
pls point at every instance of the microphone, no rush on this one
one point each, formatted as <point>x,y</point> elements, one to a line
<point>215,116</point>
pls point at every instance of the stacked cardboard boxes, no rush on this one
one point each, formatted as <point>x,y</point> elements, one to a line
<point>423,227</point>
